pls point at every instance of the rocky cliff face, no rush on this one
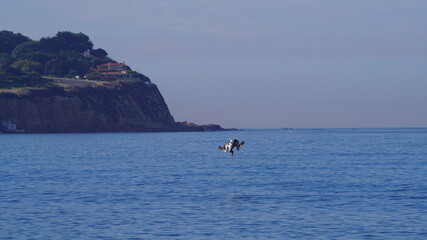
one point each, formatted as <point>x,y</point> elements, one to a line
<point>116,107</point>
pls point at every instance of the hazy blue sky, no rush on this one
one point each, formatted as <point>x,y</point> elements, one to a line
<point>264,63</point>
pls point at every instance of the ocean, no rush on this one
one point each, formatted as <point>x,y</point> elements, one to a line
<point>299,184</point>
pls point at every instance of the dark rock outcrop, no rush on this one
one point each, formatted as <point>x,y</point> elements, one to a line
<point>190,126</point>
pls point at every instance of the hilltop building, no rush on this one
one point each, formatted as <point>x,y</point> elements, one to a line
<point>113,66</point>
<point>113,71</point>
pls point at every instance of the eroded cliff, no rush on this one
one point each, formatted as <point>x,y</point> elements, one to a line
<point>121,106</point>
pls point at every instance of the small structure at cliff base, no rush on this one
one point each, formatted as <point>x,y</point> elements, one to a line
<point>10,127</point>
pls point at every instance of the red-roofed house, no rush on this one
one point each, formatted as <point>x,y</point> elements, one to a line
<point>113,71</point>
<point>112,66</point>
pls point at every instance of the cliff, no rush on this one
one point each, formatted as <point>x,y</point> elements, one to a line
<point>120,106</point>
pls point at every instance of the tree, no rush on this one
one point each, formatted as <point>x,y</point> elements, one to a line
<point>40,57</point>
<point>5,60</point>
<point>27,66</point>
<point>26,48</point>
<point>56,67</point>
<point>9,40</point>
<point>76,62</point>
<point>99,53</point>
<point>95,61</point>
<point>68,41</point>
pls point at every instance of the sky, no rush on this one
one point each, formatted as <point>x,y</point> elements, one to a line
<point>258,63</point>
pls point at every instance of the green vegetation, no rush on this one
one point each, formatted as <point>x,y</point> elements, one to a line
<point>9,81</point>
<point>23,61</point>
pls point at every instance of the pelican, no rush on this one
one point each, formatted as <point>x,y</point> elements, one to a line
<point>229,146</point>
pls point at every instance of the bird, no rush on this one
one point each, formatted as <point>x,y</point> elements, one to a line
<point>230,145</point>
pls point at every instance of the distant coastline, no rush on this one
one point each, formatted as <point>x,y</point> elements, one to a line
<point>63,84</point>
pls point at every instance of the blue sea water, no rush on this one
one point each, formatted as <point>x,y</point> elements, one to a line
<point>302,184</point>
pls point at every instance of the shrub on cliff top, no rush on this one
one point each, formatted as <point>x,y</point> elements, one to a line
<point>27,66</point>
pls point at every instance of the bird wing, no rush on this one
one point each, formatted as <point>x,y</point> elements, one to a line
<point>224,148</point>
<point>240,145</point>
